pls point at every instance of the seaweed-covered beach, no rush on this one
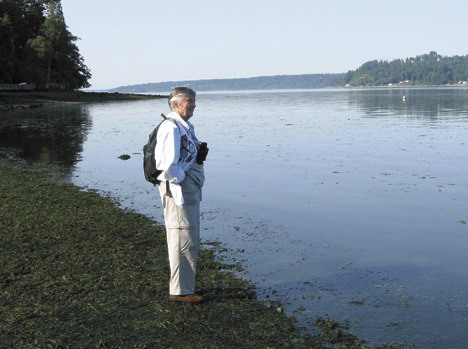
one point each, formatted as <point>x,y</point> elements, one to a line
<point>77,271</point>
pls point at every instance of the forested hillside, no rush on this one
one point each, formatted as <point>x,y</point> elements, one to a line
<point>427,69</point>
<point>255,83</point>
<point>37,48</point>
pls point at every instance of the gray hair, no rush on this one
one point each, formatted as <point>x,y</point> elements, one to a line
<point>178,94</point>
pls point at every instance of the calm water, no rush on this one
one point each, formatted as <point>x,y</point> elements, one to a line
<point>350,204</point>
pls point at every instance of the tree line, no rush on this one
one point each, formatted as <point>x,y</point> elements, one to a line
<point>427,69</point>
<point>37,48</point>
<point>304,81</point>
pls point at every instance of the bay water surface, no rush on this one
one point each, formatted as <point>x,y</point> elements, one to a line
<point>348,204</point>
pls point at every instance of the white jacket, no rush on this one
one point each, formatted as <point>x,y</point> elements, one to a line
<point>176,151</point>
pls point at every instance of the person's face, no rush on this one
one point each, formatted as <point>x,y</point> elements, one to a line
<point>186,107</point>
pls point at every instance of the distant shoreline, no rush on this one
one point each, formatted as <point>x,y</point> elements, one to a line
<point>394,87</point>
<point>35,99</point>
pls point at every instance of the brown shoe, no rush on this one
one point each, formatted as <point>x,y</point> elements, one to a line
<point>189,298</point>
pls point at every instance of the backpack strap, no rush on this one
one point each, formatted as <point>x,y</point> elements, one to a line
<point>168,188</point>
<point>172,119</point>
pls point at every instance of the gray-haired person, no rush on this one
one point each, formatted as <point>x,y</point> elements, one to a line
<point>180,155</point>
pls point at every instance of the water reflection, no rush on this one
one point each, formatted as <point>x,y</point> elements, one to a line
<point>432,104</point>
<point>45,135</point>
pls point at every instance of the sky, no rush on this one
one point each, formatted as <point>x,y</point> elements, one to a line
<point>144,41</point>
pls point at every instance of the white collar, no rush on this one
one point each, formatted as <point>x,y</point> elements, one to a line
<point>177,117</point>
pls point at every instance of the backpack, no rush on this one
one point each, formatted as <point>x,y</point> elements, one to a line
<point>149,163</point>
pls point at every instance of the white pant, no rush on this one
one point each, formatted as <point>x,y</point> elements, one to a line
<point>183,236</point>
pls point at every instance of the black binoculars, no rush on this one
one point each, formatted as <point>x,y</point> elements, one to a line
<point>202,152</point>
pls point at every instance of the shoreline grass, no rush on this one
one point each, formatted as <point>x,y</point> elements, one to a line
<point>77,271</point>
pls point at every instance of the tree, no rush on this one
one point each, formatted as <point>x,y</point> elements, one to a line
<point>45,44</point>
<point>15,29</point>
<point>55,46</point>
<point>427,69</point>
<point>36,46</point>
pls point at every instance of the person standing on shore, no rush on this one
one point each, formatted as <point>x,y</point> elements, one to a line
<point>180,155</point>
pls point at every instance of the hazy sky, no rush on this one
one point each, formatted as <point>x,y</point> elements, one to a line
<point>128,42</point>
